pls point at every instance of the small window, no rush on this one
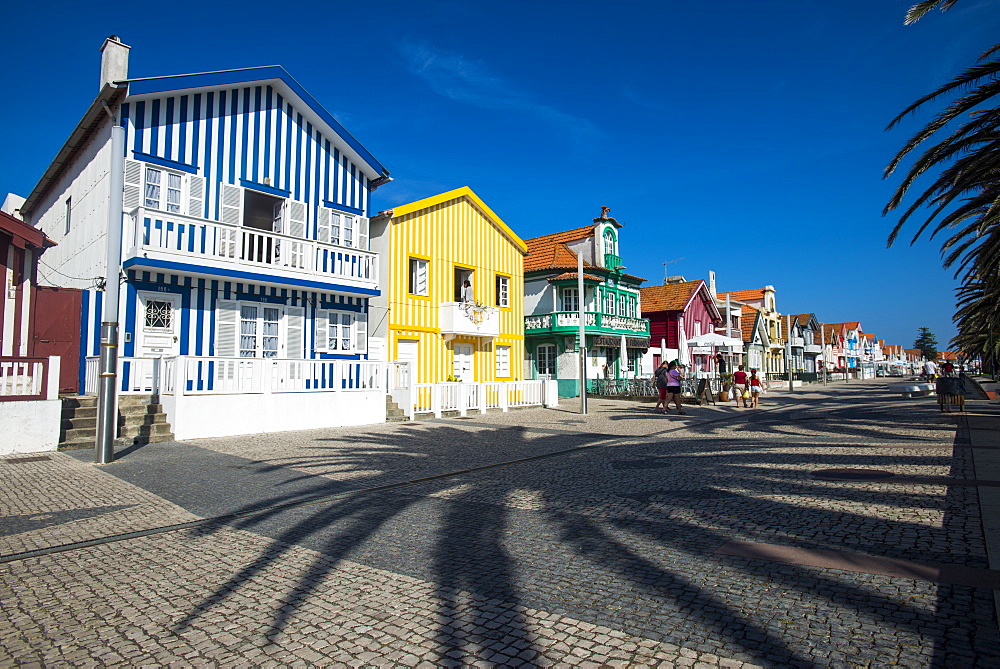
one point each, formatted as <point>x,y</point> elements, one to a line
<point>69,213</point>
<point>570,299</point>
<point>503,361</point>
<point>503,291</point>
<point>158,315</point>
<point>545,359</point>
<point>610,243</point>
<point>609,303</point>
<point>418,276</point>
<point>163,190</point>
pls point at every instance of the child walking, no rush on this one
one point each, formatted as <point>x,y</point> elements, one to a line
<point>754,388</point>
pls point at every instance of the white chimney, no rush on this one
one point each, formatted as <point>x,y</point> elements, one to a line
<point>114,61</point>
<point>711,283</point>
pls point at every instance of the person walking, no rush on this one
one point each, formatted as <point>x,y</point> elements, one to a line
<point>930,370</point>
<point>660,381</point>
<point>754,388</point>
<point>674,377</point>
<point>741,386</point>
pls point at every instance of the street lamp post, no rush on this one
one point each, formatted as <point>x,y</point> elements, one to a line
<point>583,334</point>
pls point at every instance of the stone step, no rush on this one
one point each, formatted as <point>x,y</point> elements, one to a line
<point>78,423</point>
<point>73,401</point>
<point>140,430</point>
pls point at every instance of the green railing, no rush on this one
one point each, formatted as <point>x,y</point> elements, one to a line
<point>612,261</point>
<point>566,322</point>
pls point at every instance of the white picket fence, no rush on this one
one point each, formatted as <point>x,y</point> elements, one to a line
<point>437,398</point>
<point>204,375</point>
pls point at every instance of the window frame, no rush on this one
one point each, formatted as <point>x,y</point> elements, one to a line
<point>504,281</point>
<point>164,188</point>
<point>412,281</point>
<point>550,351</point>
<point>566,291</point>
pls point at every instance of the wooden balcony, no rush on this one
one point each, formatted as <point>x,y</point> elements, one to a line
<point>158,240</point>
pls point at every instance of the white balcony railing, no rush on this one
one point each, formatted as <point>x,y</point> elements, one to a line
<point>813,348</point>
<point>175,236</point>
<point>436,398</point>
<point>458,318</point>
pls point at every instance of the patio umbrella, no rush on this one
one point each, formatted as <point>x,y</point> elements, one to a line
<point>682,346</point>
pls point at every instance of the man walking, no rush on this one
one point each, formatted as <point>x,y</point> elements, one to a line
<point>740,383</point>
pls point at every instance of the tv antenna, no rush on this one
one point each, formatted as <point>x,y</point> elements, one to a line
<point>669,262</point>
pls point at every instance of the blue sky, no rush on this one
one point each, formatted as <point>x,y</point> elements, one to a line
<point>741,137</point>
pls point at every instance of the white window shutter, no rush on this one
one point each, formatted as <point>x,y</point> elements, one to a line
<point>227,320</point>
<point>323,224</point>
<point>363,233</point>
<point>232,204</point>
<point>295,347</point>
<point>196,196</point>
<point>322,331</point>
<point>361,332</point>
<point>132,192</point>
<point>296,213</point>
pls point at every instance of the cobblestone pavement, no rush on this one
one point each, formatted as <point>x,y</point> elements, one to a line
<point>530,538</point>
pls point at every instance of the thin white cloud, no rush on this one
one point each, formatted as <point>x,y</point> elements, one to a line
<point>457,78</point>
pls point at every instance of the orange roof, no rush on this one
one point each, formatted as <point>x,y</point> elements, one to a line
<point>668,297</point>
<point>742,295</point>
<point>948,355</point>
<point>801,319</point>
<point>915,352</point>
<point>572,275</point>
<point>868,335</point>
<point>747,321</point>
<point>551,252</point>
<point>853,325</point>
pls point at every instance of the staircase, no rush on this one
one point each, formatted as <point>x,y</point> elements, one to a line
<point>393,414</point>
<point>140,421</point>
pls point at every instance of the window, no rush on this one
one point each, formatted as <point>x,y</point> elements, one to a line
<point>162,190</point>
<point>259,331</point>
<point>631,362</point>
<point>503,361</point>
<point>570,299</point>
<point>342,229</point>
<point>341,331</point>
<point>418,276</point>
<point>621,305</point>
<point>609,303</point>
<point>545,359</point>
<point>158,315</point>
<point>69,213</point>
<point>610,243</point>
<point>503,291</point>
<point>464,293</point>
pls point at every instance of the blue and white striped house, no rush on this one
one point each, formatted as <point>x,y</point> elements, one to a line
<point>245,234</point>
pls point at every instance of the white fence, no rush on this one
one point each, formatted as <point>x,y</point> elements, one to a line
<point>29,404</point>
<point>437,398</point>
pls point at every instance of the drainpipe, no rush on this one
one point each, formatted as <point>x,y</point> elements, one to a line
<point>107,387</point>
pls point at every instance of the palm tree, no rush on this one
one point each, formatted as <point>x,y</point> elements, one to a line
<point>921,8</point>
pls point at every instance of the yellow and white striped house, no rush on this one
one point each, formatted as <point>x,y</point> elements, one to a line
<point>428,317</point>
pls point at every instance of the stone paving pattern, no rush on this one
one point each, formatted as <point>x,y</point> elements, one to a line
<point>602,555</point>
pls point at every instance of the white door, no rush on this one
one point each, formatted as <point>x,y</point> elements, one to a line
<point>159,325</point>
<point>406,351</point>
<point>158,333</point>
<point>463,362</point>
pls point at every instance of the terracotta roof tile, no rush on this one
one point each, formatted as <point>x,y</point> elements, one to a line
<point>742,295</point>
<point>572,275</point>
<point>747,320</point>
<point>550,251</point>
<point>667,297</point>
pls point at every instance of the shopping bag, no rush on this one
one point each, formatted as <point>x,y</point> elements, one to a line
<point>732,394</point>
<point>746,394</point>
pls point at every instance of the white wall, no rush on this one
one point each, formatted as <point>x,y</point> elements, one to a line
<point>227,415</point>
<point>81,253</point>
<point>537,297</point>
<point>30,426</point>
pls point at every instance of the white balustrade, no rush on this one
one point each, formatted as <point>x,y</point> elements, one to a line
<point>22,377</point>
<point>178,235</point>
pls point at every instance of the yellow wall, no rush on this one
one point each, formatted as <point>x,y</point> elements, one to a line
<point>452,230</point>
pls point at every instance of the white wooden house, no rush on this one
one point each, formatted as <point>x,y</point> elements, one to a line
<point>245,258</point>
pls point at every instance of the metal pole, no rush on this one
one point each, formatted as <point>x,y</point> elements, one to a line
<point>108,384</point>
<point>788,349</point>
<point>583,334</point>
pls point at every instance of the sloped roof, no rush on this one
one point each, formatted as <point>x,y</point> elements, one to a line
<point>469,195</point>
<point>742,295</point>
<point>550,251</point>
<point>748,320</point>
<point>566,276</point>
<point>801,319</point>
<point>852,325</point>
<point>22,233</point>
<point>667,297</point>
